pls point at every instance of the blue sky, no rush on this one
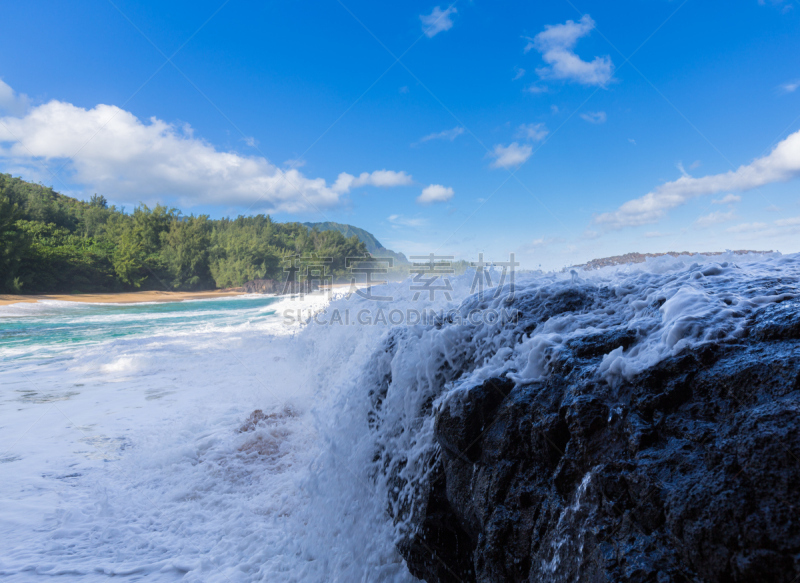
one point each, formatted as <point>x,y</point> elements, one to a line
<point>560,132</point>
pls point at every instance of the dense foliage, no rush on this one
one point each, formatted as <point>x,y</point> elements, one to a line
<point>53,243</point>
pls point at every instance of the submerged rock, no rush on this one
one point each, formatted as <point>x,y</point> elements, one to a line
<point>685,470</point>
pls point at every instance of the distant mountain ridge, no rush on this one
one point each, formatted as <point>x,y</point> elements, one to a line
<point>642,257</point>
<point>373,245</point>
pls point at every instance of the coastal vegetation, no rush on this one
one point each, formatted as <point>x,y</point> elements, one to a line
<point>52,243</point>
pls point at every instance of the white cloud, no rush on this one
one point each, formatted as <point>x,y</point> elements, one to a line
<point>594,116</point>
<point>790,87</point>
<point>747,227</point>
<point>786,229</point>
<point>557,47</point>
<point>780,228</point>
<point>380,178</point>
<point>780,165</point>
<point>401,221</point>
<point>728,199</point>
<point>534,132</point>
<point>295,163</point>
<point>783,229</point>
<point>11,102</point>
<point>519,73</point>
<point>437,21</point>
<point>435,193</point>
<point>632,141</point>
<point>715,218</point>
<point>790,222</point>
<point>111,151</point>
<point>443,135</point>
<point>512,155</point>
<point>536,89</point>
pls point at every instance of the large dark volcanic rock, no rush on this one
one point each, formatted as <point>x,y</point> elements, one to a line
<point>688,472</point>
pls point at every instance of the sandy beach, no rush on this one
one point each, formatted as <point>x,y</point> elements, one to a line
<point>137,297</point>
<point>119,298</point>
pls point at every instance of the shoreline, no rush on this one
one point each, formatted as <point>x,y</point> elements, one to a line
<point>136,297</point>
<point>120,297</point>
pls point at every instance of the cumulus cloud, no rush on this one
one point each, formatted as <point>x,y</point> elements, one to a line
<point>519,73</point>
<point>780,165</point>
<point>594,116</point>
<point>380,178</point>
<point>728,199</point>
<point>111,151</point>
<point>443,135</point>
<point>534,132</point>
<point>435,193</point>
<point>557,47</point>
<point>510,156</point>
<point>437,21</point>
<point>11,102</point>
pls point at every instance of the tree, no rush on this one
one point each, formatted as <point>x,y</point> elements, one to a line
<point>98,201</point>
<point>53,243</point>
<point>184,253</point>
<point>14,243</point>
<point>128,259</point>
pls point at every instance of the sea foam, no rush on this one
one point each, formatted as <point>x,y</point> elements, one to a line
<point>124,450</point>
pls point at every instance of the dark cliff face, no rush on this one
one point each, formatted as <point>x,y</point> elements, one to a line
<point>688,470</point>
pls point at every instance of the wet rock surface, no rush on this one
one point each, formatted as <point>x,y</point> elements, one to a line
<point>689,471</point>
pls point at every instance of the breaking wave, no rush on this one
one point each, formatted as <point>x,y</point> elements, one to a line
<point>146,460</point>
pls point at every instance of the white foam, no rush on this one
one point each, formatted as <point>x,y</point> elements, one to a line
<point>123,456</point>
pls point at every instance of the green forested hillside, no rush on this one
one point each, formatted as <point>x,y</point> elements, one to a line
<point>53,243</point>
<point>373,245</point>
<point>349,231</point>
